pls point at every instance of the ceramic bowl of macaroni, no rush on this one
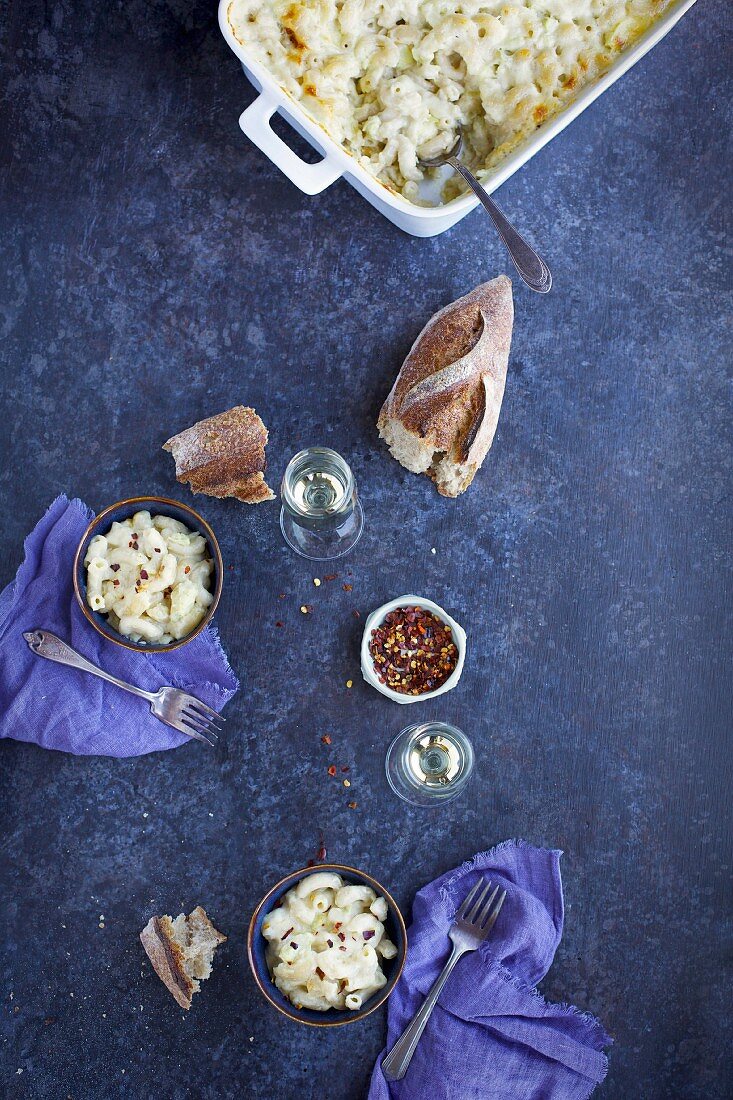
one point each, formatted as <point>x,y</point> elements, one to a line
<point>327,945</point>
<point>148,574</point>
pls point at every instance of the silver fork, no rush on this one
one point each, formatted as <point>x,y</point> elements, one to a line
<point>176,708</point>
<point>470,928</point>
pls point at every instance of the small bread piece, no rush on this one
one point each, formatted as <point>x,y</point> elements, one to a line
<point>181,951</point>
<point>224,456</point>
<point>441,415</point>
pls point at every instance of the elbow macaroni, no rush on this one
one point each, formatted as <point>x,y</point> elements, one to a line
<point>326,942</point>
<point>391,82</point>
<point>151,576</point>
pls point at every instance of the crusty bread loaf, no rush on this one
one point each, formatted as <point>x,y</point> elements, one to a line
<point>441,415</point>
<point>224,456</point>
<point>181,951</point>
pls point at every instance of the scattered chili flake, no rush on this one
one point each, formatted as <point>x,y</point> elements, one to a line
<point>320,973</point>
<point>115,582</point>
<point>368,933</point>
<point>347,782</point>
<point>342,948</point>
<point>279,623</point>
<point>294,945</point>
<point>330,576</point>
<point>332,770</point>
<point>115,567</point>
<point>341,936</point>
<point>413,651</point>
<point>348,587</point>
<point>157,549</point>
<point>356,614</point>
<point>167,591</point>
<point>322,853</point>
<point>281,596</point>
<point>345,768</point>
<point>143,574</point>
<point>330,943</point>
<point>326,739</point>
<point>353,805</point>
<point>286,934</point>
<point>231,568</point>
<point>187,569</point>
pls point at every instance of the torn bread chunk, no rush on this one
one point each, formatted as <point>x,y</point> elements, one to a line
<point>182,951</point>
<point>441,415</point>
<point>224,456</point>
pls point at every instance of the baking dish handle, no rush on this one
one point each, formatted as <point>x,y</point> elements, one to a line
<point>310,178</point>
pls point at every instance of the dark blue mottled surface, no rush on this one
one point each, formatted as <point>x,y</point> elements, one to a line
<point>156,268</point>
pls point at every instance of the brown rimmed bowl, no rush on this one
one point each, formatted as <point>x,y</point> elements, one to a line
<point>257,945</point>
<point>124,509</point>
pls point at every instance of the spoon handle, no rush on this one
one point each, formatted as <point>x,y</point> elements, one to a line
<point>533,270</point>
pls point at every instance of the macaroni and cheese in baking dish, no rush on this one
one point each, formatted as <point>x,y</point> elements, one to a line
<point>326,941</point>
<point>392,80</point>
<point>151,576</point>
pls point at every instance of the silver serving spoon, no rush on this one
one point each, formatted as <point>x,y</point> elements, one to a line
<point>533,270</point>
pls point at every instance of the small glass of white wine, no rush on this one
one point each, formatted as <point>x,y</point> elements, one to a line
<point>321,516</point>
<point>429,763</point>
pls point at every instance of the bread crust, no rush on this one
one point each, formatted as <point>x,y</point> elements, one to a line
<point>441,414</point>
<point>167,959</point>
<point>224,456</point>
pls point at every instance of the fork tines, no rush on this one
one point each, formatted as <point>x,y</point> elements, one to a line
<point>480,914</point>
<point>201,721</point>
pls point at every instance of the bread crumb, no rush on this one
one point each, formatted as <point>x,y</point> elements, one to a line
<point>433,550</point>
<point>145,815</point>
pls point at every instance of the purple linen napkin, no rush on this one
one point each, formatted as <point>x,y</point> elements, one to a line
<point>62,708</point>
<point>491,1035</point>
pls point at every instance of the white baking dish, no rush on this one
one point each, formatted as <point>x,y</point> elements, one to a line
<point>420,221</point>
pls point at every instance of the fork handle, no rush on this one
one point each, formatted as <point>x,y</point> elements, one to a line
<point>530,266</point>
<point>48,645</point>
<point>394,1065</point>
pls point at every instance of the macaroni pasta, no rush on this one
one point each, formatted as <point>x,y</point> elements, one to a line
<point>392,80</point>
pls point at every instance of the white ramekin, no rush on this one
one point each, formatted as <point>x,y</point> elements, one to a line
<point>420,221</point>
<point>377,618</point>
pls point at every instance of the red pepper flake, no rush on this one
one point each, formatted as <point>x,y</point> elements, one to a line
<point>157,549</point>
<point>368,933</point>
<point>322,853</point>
<point>353,805</point>
<point>294,945</point>
<point>356,614</point>
<point>279,623</point>
<point>330,943</point>
<point>345,768</point>
<point>115,583</point>
<point>286,934</point>
<point>231,568</point>
<point>348,587</point>
<point>342,948</point>
<point>115,567</point>
<point>320,973</point>
<point>326,739</point>
<point>330,576</point>
<point>413,651</point>
<point>332,770</point>
<point>341,936</point>
<point>281,596</point>
<point>337,925</point>
<point>187,569</point>
<point>143,575</point>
